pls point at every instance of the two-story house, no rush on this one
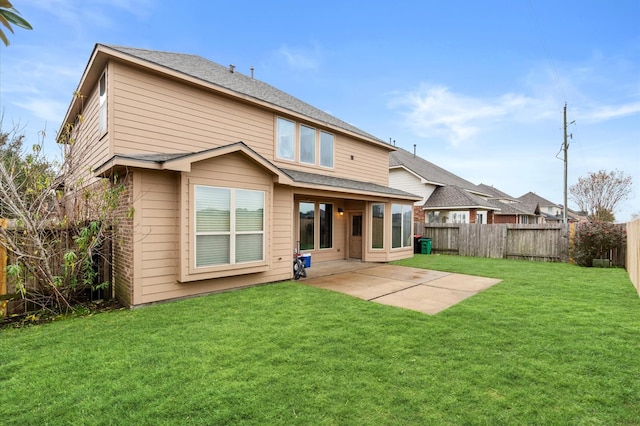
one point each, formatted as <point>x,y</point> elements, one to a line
<point>445,197</point>
<point>225,174</point>
<point>511,210</point>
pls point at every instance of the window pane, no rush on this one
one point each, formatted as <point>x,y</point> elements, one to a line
<point>249,248</point>
<point>406,226</point>
<point>249,210</point>
<point>212,209</point>
<point>396,226</point>
<point>307,213</point>
<point>326,225</point>
<point>212,250</point>
<point>307,144</point>
<point>286,138</point>
<point>377,226</point>
<point>326,149</point>
<point>103,105</point>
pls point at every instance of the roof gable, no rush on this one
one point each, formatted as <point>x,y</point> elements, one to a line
<point>452,197</point>
<point>216,74</point>
<point>532,199</point>
<point>428,171</point>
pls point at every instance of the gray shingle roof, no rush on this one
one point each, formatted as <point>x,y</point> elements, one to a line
<point>495,192</point>
<point>211,72</point>
<point>312,178</point>
<point>532,199</point>
<point>452,197</point>
<point>429,171</point>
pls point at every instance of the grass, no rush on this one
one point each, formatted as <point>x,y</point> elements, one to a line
<point>551,344</point>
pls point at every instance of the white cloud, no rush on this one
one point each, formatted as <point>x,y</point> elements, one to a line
<point>434,110</point>
<point>302,59</point>
<point>46,109</point>
<point>77,14</point>
<point>610,112</point>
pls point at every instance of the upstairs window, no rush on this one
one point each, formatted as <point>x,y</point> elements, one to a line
<point>102,102</point>
<point>285,139</point>
<point>326,149</point>
<point>314,147</point>
<point>307,144</point>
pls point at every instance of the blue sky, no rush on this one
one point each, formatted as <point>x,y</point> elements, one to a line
<point>478,87</point>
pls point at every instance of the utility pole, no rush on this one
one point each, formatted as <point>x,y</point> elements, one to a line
<point>565,147</point>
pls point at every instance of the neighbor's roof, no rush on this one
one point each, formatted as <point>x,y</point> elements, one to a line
<point>211,72</point>
<point>453,197</point>
<point>532,199</point>
<point>428,171</point>
<point>515,208</point>
<point>494,192</point>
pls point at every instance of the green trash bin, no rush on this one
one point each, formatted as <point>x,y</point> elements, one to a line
<point>425,245</point>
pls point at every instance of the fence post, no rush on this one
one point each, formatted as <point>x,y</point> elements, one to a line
<point>3,273</point>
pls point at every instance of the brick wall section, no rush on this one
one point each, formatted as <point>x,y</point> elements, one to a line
<point>504,219</point>
<point>122,247</point>
<point>418,214</point>
<point>473,216</point>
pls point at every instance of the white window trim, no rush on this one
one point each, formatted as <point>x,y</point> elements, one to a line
<point>384,226</point>
<point>232,231</point>
<point>103,121</point>
<point>402,212</point>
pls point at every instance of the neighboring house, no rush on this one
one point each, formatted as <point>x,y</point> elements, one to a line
<point>445,197</point>
<point>226,174</point>
<point>511,210</point>
<point>550,212</point>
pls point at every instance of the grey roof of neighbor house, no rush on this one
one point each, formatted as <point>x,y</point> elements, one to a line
<point>532,199</point>
<point>451,197</point>
<point>211,72</point>
<point>494,192</point>
<point>508,204</point>
<point>429,171</point>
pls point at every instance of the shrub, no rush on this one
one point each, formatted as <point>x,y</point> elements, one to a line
<point>594,240</point>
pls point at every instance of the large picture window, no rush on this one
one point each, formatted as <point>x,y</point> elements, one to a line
<point>229,226</point>
<point>377,226</point>
<point>401,225</point>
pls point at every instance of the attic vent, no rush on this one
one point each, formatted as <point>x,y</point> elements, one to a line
<point>232,68</point>
<point>252,69</point>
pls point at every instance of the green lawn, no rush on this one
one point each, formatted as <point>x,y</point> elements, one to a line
<point>551,344</point>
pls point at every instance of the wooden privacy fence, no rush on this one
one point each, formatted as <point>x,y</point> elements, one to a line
<point>633,253</point>
<point>546,242</point>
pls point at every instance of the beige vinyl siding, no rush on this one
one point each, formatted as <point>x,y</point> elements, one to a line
<point>402,179</point>
<point>165,194</point>
<point>156,114</point>
<point>89,150</point>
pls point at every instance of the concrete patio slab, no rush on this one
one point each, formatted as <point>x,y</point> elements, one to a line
<point>417,289</point>
<point>423,298</point>
<point>359,285</point>
<point>404,273</point>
